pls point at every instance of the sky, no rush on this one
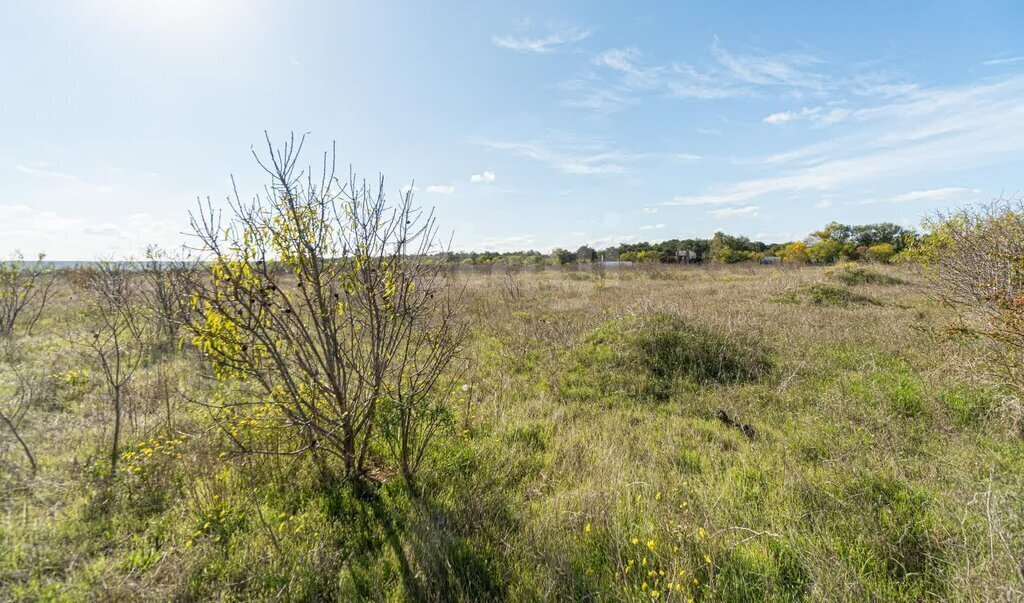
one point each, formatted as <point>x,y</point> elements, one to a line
<point>524,124</point>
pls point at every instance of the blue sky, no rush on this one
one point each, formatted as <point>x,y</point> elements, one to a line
<point>527,124</point>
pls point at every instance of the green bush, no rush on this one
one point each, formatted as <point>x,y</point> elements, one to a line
<point>852,274</point>
<point>828,295</point>
<point>650,356</point>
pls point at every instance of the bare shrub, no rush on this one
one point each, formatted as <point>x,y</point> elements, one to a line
<point>323,295</point>
<point>169,284</point>
<point>975,260</point>
<point>15,406</point>
<point>118,335</point>
<point>25,288</point>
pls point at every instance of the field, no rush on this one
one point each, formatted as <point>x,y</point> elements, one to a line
<point>741,433</point>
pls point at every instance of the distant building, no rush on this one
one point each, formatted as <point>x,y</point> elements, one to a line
<point>687,256</point>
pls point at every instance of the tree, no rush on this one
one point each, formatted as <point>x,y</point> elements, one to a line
<point>169,282</point>
<point>585,254</point>
<point>795,252</point>
<point>883,252</point>
<point>119,334</point>
<point>321,293</point>
<point>25,289</point>
<point>828,250</point>
<point>561,257</point>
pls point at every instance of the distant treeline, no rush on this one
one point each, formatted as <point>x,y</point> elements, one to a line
<point>878,242</point>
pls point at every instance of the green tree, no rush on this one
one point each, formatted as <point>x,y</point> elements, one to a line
<point>585,254</point>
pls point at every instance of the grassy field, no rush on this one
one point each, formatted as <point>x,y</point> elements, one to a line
<point>746,433</point>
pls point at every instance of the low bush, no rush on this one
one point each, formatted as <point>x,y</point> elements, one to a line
<point>852,274</point>
<point>649,356</point>
<point>826,295</point>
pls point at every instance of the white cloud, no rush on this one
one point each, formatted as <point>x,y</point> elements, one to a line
<point>41,172</point>
<point>441,189</point>
<point>35,230</point>
<point>601,101</point>
<point>650,210</point>
<point>736,212</point>
<point>918,134</point>
<point>652,227</point>
<point>936,194</point>
<point>483,177</point>
<point>769,70</point>
<point>817,115</point>
<point>726,75</point>
<point>543,44</point>
<point>625,60</point>
<point>612,240</point>
<point>502,244</point>
<point>685,157</point>
<point>587,158</point>
<point>1004,61</point>
<point>823,204</point>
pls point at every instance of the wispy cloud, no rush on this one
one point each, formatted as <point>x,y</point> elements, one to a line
<point>1004,61</point>
<point>545,43</point>
<point>441,189</point>
<point>42,172</point>
<point>770,70</point>
<point>818,115</point>
<point>571,157</point>
<point>936,194</point>
<point>736,212</point>
<point>48,231</point>
<point>650,210</point>
<point>486,177</point>
<point>684,157</point>
<point>509,243</point>
<point>658,226</point>
<point>913,134</point>
<point>726,74</point>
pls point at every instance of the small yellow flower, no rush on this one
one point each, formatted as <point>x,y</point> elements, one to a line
<point>701,533</point>
<point>636,541</point>
<point>650,544</point>
<point>586,528</point>
<point>657,496</point>
<point>707,558</point>
<point>655,594</point>
<point>643,586</point>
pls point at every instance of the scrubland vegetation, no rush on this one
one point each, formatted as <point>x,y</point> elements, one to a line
<point>327,417</point>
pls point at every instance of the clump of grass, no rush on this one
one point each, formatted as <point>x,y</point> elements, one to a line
<point>827,295</point>
<point>852,274</point>
<point>648,356</point>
